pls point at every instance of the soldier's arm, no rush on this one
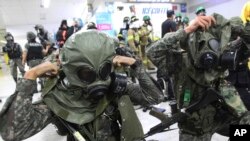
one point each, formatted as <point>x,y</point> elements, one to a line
<point>20,118</point>
<point>146,92</point>
<point>157,52</point>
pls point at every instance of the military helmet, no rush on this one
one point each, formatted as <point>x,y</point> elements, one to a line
<point>185,20</point>
<point>38,26</point>
<point>200,9</point>
<point>9,37</point>
<point>126,19</point>
<point>178,14</point>
<point>31,36</point>
<point>146,18</point>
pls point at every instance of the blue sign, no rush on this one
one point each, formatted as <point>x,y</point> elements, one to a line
<point>183,8</point>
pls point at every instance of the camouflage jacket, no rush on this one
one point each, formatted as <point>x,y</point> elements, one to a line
<point>190,83</point>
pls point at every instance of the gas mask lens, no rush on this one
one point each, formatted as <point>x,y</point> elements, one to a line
<point>214,44</point>
<point>86,75</point>
<point>105,70</point>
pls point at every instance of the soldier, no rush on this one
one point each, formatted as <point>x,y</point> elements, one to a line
<point>178,18</point>
<point>45,40</point>
<point>34,52</point>
<point>198,70</point>
<point>14,52</point>
<point>144,34</point>
<point>84,95</point>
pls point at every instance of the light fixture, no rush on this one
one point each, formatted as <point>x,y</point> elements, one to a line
<point>45,3</point>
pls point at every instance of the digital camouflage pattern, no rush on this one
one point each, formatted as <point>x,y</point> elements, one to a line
<point>112,118</point>
<point>190,82</point>
<point>21,119</point>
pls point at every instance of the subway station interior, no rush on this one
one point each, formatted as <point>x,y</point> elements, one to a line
<point>107,23</point>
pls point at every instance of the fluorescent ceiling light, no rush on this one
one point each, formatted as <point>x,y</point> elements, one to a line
<point>45,3</point>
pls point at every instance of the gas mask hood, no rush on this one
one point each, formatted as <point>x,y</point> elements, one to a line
<point>87,58</point>
<point>206,46</point>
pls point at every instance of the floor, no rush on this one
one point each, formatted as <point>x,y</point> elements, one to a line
<point>7,87</point>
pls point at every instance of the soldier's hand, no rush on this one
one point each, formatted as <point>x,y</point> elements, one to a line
<point>200,21</point>
<point>46,68</point>
<point>123,60</point>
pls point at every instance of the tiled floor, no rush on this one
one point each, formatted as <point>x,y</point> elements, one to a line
<point>7,87</point>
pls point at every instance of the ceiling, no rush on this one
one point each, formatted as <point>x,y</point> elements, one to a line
<point>21,15</point>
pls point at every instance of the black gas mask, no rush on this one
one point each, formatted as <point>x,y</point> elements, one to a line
<point>208,55</point>
<point>101,82</point>
<point>9,39</point>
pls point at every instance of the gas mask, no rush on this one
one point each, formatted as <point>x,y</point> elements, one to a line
<point>87,63</point>
<point>97,81</point>
<point>9,38</point>
<point>206,52</point>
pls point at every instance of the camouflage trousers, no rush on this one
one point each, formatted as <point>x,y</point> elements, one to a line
<point>19,118</point>
<point>14,63</point>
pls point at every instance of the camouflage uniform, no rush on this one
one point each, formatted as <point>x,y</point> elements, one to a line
<point>21,119</point>
<point>190,81</point>
<point>14,51</point>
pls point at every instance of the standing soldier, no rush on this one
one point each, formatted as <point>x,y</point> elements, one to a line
<point>144,33</point>
<point>178,22</point>
<point>34,51</point>
<point>44,38</point>
<point>14,52</point>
